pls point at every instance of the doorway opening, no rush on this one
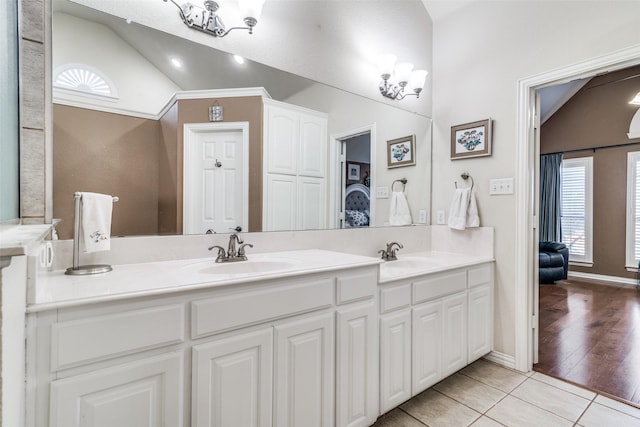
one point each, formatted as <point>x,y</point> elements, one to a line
<point>354,169</point>
<point>527,193</point>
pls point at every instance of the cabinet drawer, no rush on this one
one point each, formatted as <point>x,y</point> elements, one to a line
<point>78,342</point>
<point>479,276</point>
<point>357,285</point>
<point>214,315</point>
<point>434,287</point>
<point>395,298</point>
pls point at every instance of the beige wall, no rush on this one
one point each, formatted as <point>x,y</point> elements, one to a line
<point>110,154</point>
<point>598,116</point>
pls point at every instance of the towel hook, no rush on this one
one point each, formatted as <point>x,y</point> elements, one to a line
<point>403,181</point>
<point>465,176</point>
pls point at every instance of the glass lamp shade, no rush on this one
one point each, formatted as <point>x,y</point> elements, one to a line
<point>635,100</point>
<point>403,72</point>
<point>417,80</point>
<point>386,63</point>
<point>251,8</point>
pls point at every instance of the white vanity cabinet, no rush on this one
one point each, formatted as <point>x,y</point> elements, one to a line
<point>294,351</point>
<point>295,163</point>
<point>432,326</point>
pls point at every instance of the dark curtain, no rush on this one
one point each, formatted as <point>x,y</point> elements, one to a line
<point>550,197</point>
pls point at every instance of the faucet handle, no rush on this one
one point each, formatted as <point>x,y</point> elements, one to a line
<point>221,253</point>
<point>383,253</point>
<point>241,249</point>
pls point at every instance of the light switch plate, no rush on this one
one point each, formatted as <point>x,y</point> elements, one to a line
<point>440,217</point>
<point>382,192</point>
<point>422,216</point>
<point>501,186</point>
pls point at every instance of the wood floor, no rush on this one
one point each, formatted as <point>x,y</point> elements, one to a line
<point>590,335</point>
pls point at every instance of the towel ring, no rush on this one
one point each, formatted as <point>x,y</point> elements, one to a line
<point>403,181</point>
<point>465,176</point>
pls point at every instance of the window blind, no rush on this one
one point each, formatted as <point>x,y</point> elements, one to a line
<point>574,206</point>
<point>636,209</point>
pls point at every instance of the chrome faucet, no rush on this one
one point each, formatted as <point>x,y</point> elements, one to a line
<point>231,254</point>
<point>389,254</point>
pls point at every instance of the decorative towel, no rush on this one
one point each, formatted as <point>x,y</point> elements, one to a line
<point>464,210</point>
<point>96,221</point>
<point>399,213</point>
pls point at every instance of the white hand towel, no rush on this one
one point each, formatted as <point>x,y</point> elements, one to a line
<point>463,211</point>
<point>399,213</point>
<point>473,219</point>
<point>96,221</point>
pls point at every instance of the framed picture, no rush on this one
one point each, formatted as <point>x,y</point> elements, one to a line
<point>353,172</point>
<point>401,152</point>
<point>471,140</point>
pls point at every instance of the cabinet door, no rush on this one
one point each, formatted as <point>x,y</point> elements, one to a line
<point>454,348</point>
<point>395,359</point>
<point>283,136</point>
<point>313,146</point>
<point>143,393</point>
<point>357,366</point>
<point>280,203</point>
<point>304,372</point>
<point>427,346</point>
<point>232,381</point>
<point>311,203</point>
<point>480,322</point>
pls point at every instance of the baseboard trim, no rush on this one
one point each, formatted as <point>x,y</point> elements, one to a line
<point>502,359</point>
<point>619,281</point>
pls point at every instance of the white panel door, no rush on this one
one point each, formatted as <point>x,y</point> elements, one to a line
<point>313,146</point>
<point>304,373</point>
<point>283,136</point>
<point>311,204</point>
<point>480,322</point>
<point>280,203</point>
<point>146,393</point>
<point>215,186</point>
<point>454,346</point>
<point>357,366</point>
<point>232,381</point>
<point>395,359</point>
<point>427,346</point>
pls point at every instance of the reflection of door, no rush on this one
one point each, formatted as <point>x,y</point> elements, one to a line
<point>356,170</point>
<point>215,177</point>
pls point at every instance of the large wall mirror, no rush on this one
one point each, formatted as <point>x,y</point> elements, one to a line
<point>123,92</point>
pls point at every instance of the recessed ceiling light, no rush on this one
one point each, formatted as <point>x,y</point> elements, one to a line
<point>176,62</point>
<point>239,59</point>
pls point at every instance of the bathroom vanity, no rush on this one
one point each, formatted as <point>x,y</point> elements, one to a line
<point>301,337</point>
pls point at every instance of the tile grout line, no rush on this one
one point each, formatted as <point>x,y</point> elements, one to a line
<point>591,402</point>
<point>411,414</point>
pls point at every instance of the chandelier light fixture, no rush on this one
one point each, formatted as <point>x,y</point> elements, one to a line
<point>398,79</point>
<point>207,19</point>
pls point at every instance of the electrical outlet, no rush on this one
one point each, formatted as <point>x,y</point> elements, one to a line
<point>382,192</point>
<point>440,217</point>
<point>422,216</point>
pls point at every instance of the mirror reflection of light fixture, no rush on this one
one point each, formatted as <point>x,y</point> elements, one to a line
<point>395,78</point>
<point>207,20</point>
<point>636,99</point>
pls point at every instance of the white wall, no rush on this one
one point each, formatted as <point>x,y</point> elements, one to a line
<point>141,87</point>
<point>479,54</point>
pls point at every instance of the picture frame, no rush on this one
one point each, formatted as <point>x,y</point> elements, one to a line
<point>471,139</point>
<point>401,152</point>
<point>353,172</point>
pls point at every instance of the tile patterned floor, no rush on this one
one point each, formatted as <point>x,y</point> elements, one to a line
<point>488,395</point>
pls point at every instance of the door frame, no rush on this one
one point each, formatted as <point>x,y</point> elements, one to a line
<point>189,131</point>
<point>335,181</point>
<point>527,177</point>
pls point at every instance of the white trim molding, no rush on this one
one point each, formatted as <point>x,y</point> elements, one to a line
<point>525,176</point>
<point>619,281</point>
<point>501,359</point>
